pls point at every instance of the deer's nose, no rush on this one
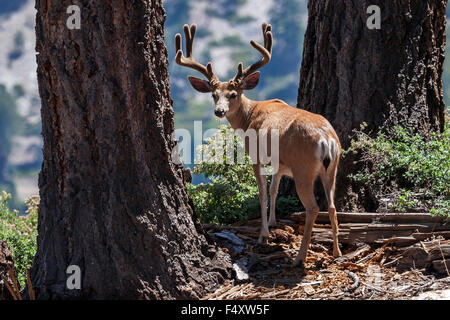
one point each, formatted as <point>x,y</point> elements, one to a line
<point>219,112</point>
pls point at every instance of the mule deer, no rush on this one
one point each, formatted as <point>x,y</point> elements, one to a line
<point>309,146</point>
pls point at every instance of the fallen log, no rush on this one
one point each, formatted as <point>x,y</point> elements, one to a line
<point>351,217</point>
<point>347,236</point>
<point>400,241</point>
<point>429,255</point>
<point>373,226</point>
<point>442,266</point>
<point>399,229</point>
<point>428,235</point>
<point>440,251</point>
<point>412,257</point>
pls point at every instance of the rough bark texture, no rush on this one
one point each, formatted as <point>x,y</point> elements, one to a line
<point>112,201</point>
<point>6,262</point>
<point>392,76</point>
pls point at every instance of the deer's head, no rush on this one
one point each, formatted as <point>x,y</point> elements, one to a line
<point>227,95</point>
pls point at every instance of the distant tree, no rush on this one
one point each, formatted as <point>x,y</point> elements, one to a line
<point>112,200</point>
<point>446,70</point>
<point>8,121</point>
<point>392,76</point>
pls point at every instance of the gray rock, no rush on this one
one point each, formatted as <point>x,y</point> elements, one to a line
<point>235,243</point>
<point>234,239</point>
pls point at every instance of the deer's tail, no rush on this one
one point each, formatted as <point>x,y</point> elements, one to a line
<point>328,151</point>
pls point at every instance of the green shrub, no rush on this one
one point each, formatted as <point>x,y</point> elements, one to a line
<point>232,194</point>
<point>407,171</point>
<point>20,232</point>
<point>286,206</point>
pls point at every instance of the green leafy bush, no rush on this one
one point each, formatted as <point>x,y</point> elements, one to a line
<point>287,205</point>
<point>408,172</point>
<point>20,232</point>
<point>232,194</point>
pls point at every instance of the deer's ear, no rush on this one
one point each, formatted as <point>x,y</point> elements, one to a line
<point>250,82</point>
<point>200,85</point>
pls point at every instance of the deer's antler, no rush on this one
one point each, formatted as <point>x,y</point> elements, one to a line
<point>266,52</point>
<point>189,60</point>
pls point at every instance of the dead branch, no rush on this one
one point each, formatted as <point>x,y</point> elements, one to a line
<point>30,287</point>
<point>12,287</point>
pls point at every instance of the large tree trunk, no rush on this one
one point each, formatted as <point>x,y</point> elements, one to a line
<point>112,201</point>
<point>392,76</point>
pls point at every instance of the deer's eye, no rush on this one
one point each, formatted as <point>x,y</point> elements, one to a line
<point>233,95</point>
<point>215,96</point>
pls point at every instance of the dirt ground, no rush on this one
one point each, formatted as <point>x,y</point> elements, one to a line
<point>365,272</point>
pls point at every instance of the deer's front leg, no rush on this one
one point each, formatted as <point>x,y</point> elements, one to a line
<point>262,187</point>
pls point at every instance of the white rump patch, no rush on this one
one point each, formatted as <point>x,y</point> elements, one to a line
<point>327,149</point>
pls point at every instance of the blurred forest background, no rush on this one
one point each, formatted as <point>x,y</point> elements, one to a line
<point>224,30</point>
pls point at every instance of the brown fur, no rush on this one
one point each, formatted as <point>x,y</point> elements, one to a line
<point>300,132</point>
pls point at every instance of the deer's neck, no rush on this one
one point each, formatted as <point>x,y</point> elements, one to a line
<point>241,115</point>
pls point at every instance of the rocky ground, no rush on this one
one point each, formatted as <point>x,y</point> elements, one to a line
<point>366,271</point>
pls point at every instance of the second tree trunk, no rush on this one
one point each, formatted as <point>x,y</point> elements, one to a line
<point>392,76</point>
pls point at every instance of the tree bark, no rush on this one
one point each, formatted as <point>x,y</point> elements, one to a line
<point>6,263</point>
<point>391,76</point>
<point>112,201</point>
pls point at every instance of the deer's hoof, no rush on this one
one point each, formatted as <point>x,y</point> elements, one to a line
<point>337,253</point>
<point>298,263</point>
<point>263,239</point>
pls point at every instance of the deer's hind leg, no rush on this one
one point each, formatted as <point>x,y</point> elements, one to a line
<point>304,184</point>
<point>262,187</point>
<point>328,178</point>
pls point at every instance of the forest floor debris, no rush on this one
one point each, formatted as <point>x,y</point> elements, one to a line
<point>378,270</point>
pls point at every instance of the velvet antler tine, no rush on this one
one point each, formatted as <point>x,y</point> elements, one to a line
<point>193,30</point>
<point>187,34</point>
<point>257,46</point>
<point>239,72</point>
<point>268,38</point>
<point>240,68</point>
<point>265,51</point>
<point>188,60</point>
<point>192,35</point>
<point>209,68</point>
<point>177,42</point>
<point>178,57</point>
<point>264,30</point>
<point>269,43</point>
